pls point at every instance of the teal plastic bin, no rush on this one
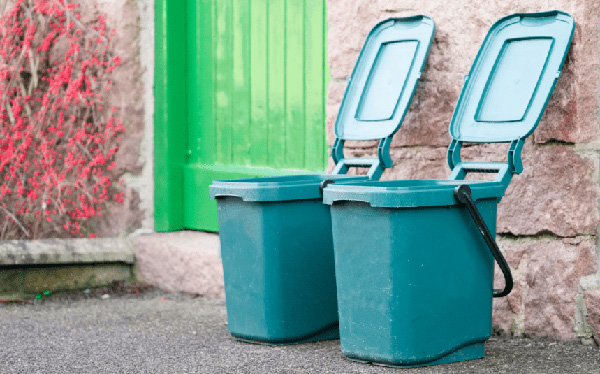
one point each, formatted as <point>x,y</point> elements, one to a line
<point>275,233</point>
<point>415,258</point>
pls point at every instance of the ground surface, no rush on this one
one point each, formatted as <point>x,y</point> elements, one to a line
<point>144,330</point>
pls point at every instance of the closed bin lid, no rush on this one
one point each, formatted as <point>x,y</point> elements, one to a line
<point>384,79</point>
<point>512,77</point>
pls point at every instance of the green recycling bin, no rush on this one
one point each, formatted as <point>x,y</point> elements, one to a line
<point>276,242</point>
<point>415,258</point>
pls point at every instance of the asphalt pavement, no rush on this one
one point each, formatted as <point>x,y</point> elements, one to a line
<point>140,330</point>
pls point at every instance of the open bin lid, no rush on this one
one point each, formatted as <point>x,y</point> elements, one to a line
<point>384,79</point>
<point>512,77</point>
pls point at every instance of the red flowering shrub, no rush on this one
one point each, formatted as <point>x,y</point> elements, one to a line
<point>57,139</point>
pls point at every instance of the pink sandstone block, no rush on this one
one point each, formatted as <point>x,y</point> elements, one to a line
<point>546,276</point>
<point>554,268</point>
<point>556,193</point>
<point>185,261</point>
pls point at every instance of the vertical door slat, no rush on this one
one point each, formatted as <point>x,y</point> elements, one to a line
<point>224,80</point>
<point>294,70</point>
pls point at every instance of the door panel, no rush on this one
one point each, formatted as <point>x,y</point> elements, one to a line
<point>268,94</point>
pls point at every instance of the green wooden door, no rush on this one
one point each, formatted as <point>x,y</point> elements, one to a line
<point>248,81</point>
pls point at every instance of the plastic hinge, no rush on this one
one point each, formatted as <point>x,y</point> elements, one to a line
<point>375,165</point>
<point>337,151</point>
<point>383,152</point>
<point>454,153</point>
<point>515,163</point>
<point>504,170</point>
<point>503,174</point>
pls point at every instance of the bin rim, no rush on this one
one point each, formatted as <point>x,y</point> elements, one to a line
<point>410,193</point>
<point>282,188</point>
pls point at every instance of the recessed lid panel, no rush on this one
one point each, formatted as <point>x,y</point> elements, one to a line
<point>384,79</point>
<point>512,78</point>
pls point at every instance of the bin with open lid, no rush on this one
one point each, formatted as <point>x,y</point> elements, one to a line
<point>275,233</point>
<point>415,258</point>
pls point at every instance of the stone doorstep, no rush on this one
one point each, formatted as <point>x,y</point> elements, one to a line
<point>37,266</point>
<point>182,261</point>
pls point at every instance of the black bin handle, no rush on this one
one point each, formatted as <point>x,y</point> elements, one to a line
<point>462,193</point>
<point>325,183</point>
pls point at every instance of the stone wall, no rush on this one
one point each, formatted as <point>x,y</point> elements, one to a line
<point>132,86</point>
<point>548,221</point>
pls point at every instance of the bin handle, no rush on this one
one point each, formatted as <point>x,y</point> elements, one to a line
<point>462,193</point>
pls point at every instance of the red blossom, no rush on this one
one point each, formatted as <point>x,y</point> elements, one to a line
<point>57,141</point>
